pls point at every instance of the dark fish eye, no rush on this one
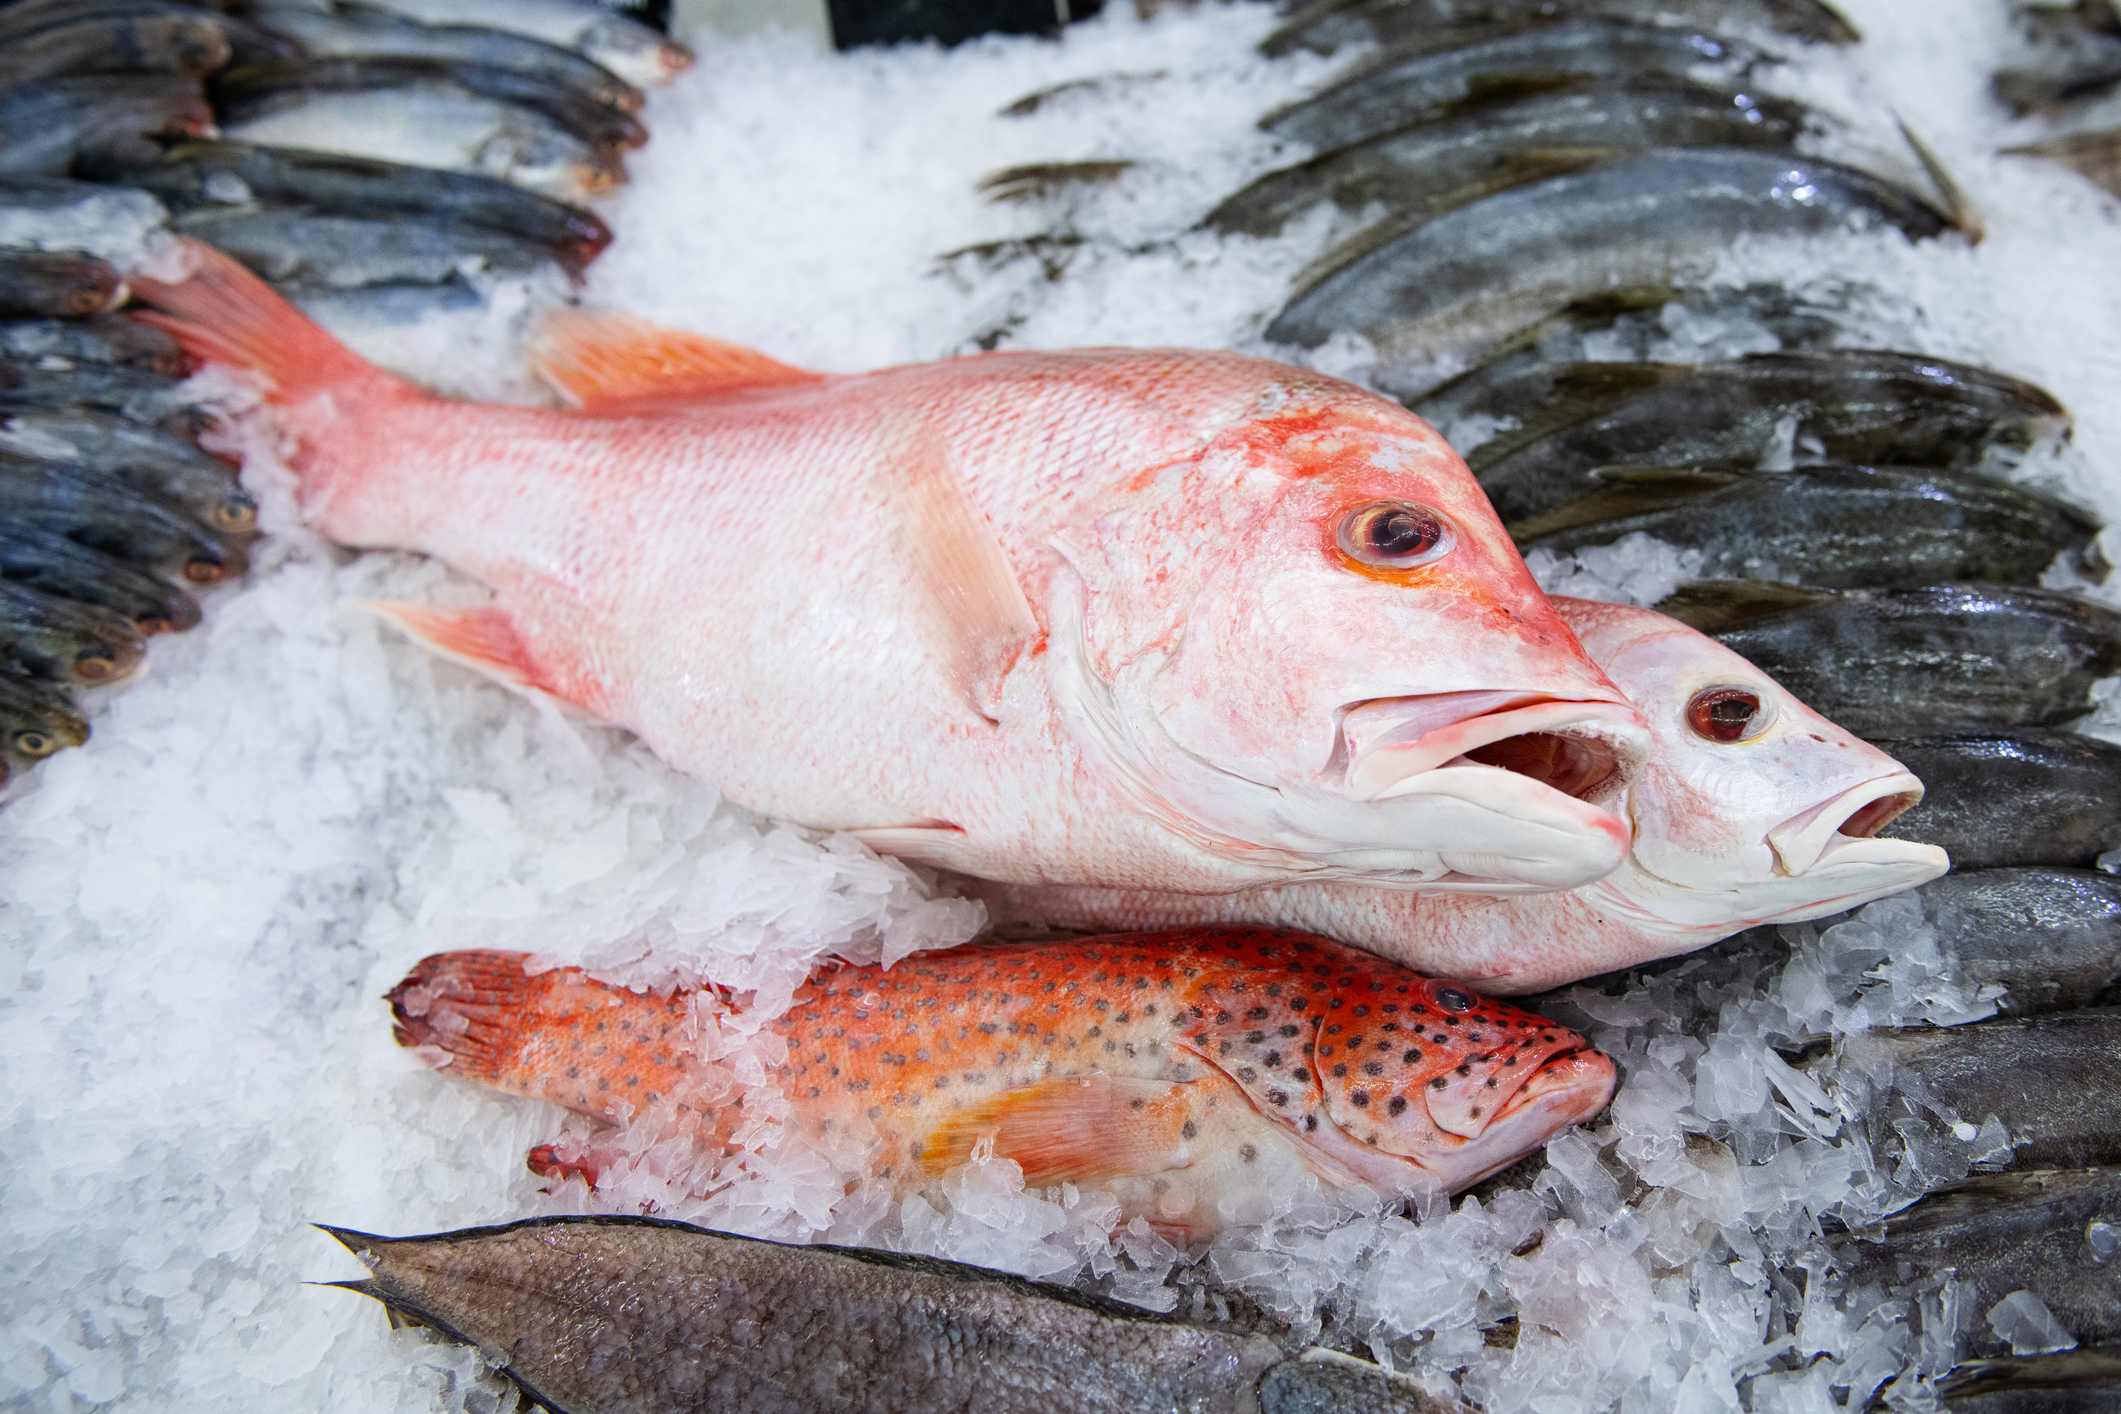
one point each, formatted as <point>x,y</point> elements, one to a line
<point>35,743</point>
<point>201,570</point>
<point>235,514</point>
<point>1451,999</point>
<point>1395,535</point>
<point>1727,714</point>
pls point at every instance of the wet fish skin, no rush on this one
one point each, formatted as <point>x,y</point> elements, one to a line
<point>1215,1098</point>
<point>2054,1080</point>
<point>2094,156</point>
<point>2051,936</point>
<point>685,1318</point>
<point>104,513</point>
<point>60,214</point>
<point>2000,1233</point>
<point>66,283</point>
<point>1410,167</point>
<point>95,339</point>
<point>358,30</point>
<point>30,387</point>
<point>2021,797</point>
<point>77,644</point>
<point>189,44</point>
<point>1330,25</point>
<point>36,720</point>
<point>2067,1382</point>
<point>1888,663</point>
<point>96,124</point>
<point>47,561</point>
<point>208,174</point>
<point>256,91</point>
<point>628,48</point>
<point>1856,405</point>
<point>292,247</point>
<point>1452,286</point>
<point>1430,74</point>
<point>1834,525</point>
<point>149,458</point>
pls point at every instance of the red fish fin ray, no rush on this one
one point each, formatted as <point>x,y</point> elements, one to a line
<point>1070,1131</point>
<point>481,639</point>
<point>602,361</point>
<point>985,619</point>
<point>458,1004</point>
<point>939,845</point>
<point>222,313</point>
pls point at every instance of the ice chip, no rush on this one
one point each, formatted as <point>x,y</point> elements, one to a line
<point>2023,1320</point>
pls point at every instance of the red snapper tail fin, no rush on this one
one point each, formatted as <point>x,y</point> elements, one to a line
<point>222,313</point>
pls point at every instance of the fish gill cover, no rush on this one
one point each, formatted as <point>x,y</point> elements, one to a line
<point>203,904</point>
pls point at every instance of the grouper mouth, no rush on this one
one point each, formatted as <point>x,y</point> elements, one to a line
<point>1588,751</point>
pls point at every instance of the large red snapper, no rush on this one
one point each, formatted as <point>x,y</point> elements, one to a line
<point>1751,809</point>
<point>1199,1077</point>
<point>1111,616</point>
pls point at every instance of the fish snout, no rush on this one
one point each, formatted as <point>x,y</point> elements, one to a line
<point>1858,813</point>
<point>1481,1131</point>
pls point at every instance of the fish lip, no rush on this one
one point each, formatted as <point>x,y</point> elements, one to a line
<point>1603,744</point>
<point>1567,1089</point>
<point>1809,837</point>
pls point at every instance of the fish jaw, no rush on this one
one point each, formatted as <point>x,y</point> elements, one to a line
<point>1566,1091</point>
<point>1216,686</point>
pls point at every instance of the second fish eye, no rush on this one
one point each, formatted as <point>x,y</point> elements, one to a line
<point>1395,534</point>
<point>1727,714</point>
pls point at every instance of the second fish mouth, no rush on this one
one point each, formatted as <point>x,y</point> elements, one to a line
<point>1859,813</point>
<point>1584,750</point>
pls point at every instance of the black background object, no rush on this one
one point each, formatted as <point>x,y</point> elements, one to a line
<point>858,22</point>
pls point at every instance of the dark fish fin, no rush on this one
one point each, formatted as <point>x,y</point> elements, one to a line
<point>608,361</point>
<point>1489,90</point>
<point>1042,179</point>
<point>1717,604</point>
<point>1959,208</point>
<point>1611,382</point>
<point>1624,491</point>
<point>347,1237</point>
<point>1069,1131</point>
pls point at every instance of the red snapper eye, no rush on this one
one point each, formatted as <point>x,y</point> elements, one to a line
<point>1395,535</point>
<point>1728,714</point>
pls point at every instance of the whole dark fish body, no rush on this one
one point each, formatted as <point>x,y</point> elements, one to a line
<point>1408,168</point>
<point>1521,375</point>
<point>1889,663</point>
<point>1453,285</point>
<point>2054,1081</point>
<point>258,90</point>
<point>1837,526</point>
<point>97,339</point>
<point>94,124</point>
<point>57,639</point>
<point>192,43</point>
<point>36,719</point>
<point>651,1317</point>
<point>2094,156</point>
<point>44,560</point>
<point>1999,799</point>
<point>104,513</point>
<point>1331,24</point>
<point>2065,1382</point>
<point>1429,74</point>
<point>149,458</point>
<point>2052,937</point>
<point>66,283</point>
<point>2071,63</point>
<point>1857,405</point>
<point>358,31</point>
<point>211,174</point>
<point>293,247</point>
<point>2000,1233</point>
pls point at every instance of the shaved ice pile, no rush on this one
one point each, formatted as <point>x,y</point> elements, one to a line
<point>203,906</point>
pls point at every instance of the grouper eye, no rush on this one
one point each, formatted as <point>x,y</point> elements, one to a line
<point>1395,535</point>
<point>1727,714</point>
<point>1451,999</point>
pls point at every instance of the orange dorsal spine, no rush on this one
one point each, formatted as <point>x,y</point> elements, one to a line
<point>605,362</point>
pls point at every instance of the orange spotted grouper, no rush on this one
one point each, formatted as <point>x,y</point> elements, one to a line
<point>1130,618</point>
<point>1198,1076</point>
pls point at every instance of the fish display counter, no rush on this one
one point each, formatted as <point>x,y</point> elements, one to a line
<point>1227,707</point>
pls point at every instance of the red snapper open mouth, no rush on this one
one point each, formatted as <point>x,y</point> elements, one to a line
<point>1580,749</point>
<point>1805,840</point>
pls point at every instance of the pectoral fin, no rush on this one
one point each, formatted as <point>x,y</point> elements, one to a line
<point>604,362</point>
<point>481,639</point>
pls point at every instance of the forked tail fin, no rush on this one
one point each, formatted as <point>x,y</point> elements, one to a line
<point>221,313</point>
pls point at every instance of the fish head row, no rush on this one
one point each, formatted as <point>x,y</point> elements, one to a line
<point>1380,1068</point>
<point>1313,646</point>
<point>1752,807</point>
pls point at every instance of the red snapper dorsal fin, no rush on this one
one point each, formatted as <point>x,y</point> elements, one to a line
<point>606,361</point>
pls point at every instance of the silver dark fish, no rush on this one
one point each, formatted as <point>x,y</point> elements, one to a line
<point>47,561</point>
<point>293,247</point>
<point>1411,167</point>
<point>1331,24</point>
<point>66,283</point>
<point>104,513</point>
<point>98,339</point>
<point>1996,1234</point>
<point>1997,799</point>
<point>149,458</point>
<point>36,720</point>
<point>2066,1382</point>
<point>190,43</point>
<point>2094,156</point>
<point>1452,286</point>
<point>57,639</point>
<point>651,1317</point>
<point>1857,405</point>
<point>213,174</point>
<point>1429,74</point>
<point>96,124</point>
<point>1891,663</point>
<point>1836,525</point>
<point>2050,937</point>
